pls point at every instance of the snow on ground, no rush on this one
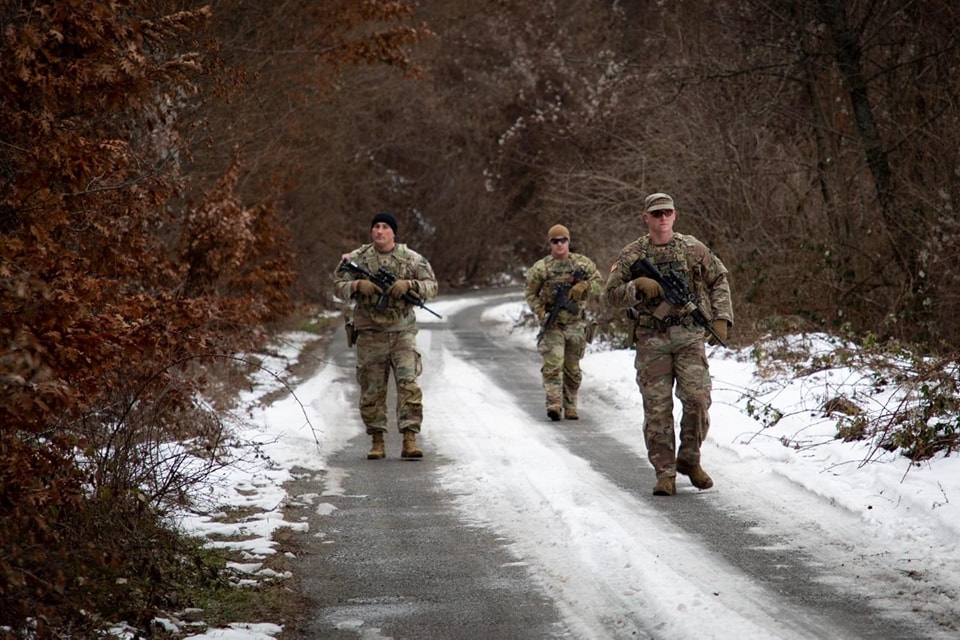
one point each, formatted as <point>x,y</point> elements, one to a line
<point>864,502</point>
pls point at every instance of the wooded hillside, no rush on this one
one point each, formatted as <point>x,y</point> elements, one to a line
<point>812,144</point>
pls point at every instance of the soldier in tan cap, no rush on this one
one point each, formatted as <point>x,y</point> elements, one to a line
<point>557,289</point>
<point>669,345</point>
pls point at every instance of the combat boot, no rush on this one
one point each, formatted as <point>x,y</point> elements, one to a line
<point>377,450</point>
<point>665,487</point>
<point>410,449</point>
<point>553,413</point>
<point>698,477</point>
<point>570,413</point>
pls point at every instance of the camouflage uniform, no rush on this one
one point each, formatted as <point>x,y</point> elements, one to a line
<point>671,350</point>
<point>563,344</point>
<point>386,339</point>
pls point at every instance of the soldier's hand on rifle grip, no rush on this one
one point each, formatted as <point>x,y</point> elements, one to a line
<point>367,288</point>
<point>541,315</point>
<point>720,328</point>
<point>579,291</point>
<point>399,288</point>
<point>648,287</point>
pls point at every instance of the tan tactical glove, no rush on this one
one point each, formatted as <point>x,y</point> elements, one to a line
<point>367,288</point>
<point>579,291</point>
<point>720,328</point>
<point>541,315</point>
<point>399,288</point>
<point>648,287</point>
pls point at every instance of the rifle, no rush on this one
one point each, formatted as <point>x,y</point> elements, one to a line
<point>560,300</point>
<point>676,290</point>
<point>383,279</point>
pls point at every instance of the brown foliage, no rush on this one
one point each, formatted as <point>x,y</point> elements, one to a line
<point>113,291</point>
<point>293,62</point>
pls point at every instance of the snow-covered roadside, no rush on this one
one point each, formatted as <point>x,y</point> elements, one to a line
<point>860,510</point>
<point>804,483</point>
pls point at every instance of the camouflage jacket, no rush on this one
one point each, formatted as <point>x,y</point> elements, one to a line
<point>548,272</point>
<point>406,264</point>
<point>704,271</point>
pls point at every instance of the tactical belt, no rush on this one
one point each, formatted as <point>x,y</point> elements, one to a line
<point>662,325</point>
<point>572,320</point>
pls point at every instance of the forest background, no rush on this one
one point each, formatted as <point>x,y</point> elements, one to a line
<point>177,177</point>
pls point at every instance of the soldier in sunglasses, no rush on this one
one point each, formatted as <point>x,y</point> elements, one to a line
<point>557,289</point>
<point>669,345</point>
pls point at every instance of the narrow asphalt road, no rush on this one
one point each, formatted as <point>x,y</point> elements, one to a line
<point>392,558</point>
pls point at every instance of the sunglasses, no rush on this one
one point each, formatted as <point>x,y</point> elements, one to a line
<point>559,240</point>
<point>661,213</point>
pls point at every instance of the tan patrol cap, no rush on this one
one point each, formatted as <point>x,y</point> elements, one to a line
<point>558,231</point>
<point>658,201</point>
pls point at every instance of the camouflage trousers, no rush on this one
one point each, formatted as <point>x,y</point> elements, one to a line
<point>562,349</point>
<point>378,354</point>
<point>664,358</point>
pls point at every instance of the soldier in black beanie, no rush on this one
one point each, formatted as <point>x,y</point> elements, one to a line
<point>384,325</point>
<point>387,218</point>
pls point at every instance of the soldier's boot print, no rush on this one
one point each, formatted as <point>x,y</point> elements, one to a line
<point>410,449</point>
<point>378,449</point>
<point>570,413</point>
<point>666,486</point>
<point>698,477</point>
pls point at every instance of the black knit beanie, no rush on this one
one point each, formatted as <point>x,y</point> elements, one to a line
<point>386,217</point>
